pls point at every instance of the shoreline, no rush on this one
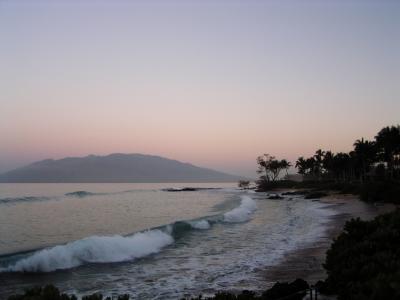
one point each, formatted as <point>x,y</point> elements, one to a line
<point>306,263</point>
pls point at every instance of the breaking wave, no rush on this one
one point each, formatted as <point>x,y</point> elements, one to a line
<point>81,194</point>
<point>22,199</point>
<point>202,224</point>
<point>95,249</point>
<point>117,248</point>
<point>243,212</point>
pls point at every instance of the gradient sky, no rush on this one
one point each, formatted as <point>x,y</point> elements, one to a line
<point>214,83</point>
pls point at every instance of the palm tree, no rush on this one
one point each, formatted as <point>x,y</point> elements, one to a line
<point>365,152</point>
<point>301,165</point>
<point>311,165</point>
<point>341,166</point>
<point>284,164</point>
<point>327,163</point>
<point>318,158</point>
<point>388,144</point>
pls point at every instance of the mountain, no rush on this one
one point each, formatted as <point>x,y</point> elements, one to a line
<point>114,168</point>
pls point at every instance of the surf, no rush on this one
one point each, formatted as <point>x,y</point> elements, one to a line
<point>243,212</point>
<point>117,248</point>
<point>94,249</point>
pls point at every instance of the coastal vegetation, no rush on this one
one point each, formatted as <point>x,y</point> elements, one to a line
<point>50,292</point>
<point>244,184</point>
<point>371,169</point>
<point>369,160</point>
<point>270,170</point>
<point>364,260</point>
<point>295,290</point>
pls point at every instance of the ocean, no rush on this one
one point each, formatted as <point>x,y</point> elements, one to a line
<point>152,241</point>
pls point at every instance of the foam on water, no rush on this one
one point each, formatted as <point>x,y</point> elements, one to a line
<point>94,249</point>
<point>109,249</point>
<point>243,212</point>
<point>202,224</point>
<point>210,252</point>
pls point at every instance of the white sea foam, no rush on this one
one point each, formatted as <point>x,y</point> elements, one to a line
<point>243,212</point>
<point>251,192</point>
<point>202,224</point>
<point>95,249</point>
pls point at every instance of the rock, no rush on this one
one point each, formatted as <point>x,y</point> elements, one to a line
<point>295,193</point>
<point>185,189</point>
<point>275,197</point>
<point>315,195</point>
<point>295,290</point>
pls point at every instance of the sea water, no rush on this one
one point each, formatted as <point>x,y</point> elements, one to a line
<point>151,241</point>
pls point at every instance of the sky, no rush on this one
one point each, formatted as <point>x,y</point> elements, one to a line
<point>213,83</point>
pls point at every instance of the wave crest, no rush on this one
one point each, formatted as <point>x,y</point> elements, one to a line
<point>243,212</point>
<point>117,248</point>
<point>22,199</point>
<point>202,224</point>
<point>80,194</point>
<point>94,249</point>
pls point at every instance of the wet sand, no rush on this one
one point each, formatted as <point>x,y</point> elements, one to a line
<point>307,263</point>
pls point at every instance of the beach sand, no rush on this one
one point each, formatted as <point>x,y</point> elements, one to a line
<point>307,263</point>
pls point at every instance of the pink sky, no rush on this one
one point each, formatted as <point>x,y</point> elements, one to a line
<point>211,84</point>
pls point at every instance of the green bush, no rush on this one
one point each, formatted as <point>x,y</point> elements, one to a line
<point>364,261</point>
<point>50,292</point>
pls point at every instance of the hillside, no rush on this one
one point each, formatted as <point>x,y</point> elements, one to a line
<point>114,168</point>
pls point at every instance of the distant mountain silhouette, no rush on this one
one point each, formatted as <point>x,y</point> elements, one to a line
<point>114,168</point>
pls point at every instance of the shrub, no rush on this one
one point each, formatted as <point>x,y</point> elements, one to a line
<point>50,292</point>
<point>364,261</point>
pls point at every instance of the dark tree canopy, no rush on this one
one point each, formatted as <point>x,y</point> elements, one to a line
<point>360,164</point>
<point>270,167</point>
<point>244,184</point>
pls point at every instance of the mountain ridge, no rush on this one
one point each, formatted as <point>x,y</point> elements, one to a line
<point>114,168</point>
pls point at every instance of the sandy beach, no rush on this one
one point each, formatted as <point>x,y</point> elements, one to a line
<point>307,263</point>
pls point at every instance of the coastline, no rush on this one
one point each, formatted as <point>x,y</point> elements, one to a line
<point>306,263</point>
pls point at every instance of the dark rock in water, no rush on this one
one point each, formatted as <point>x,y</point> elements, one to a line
<point>295,290</point>
<point>185,189</point>
<point>275,197</point>
<point>315,195</point>
<point>295,193</point>
<point>80,194</point>
<point>188,189</point>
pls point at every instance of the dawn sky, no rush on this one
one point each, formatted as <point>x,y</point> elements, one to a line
<point>214,83</point>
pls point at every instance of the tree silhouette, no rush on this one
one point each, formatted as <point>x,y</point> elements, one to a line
<point>270,167</point>
<point>301,165</point>
<point>365,152</point>
<point>318,158</point>
<point>388,146</point>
